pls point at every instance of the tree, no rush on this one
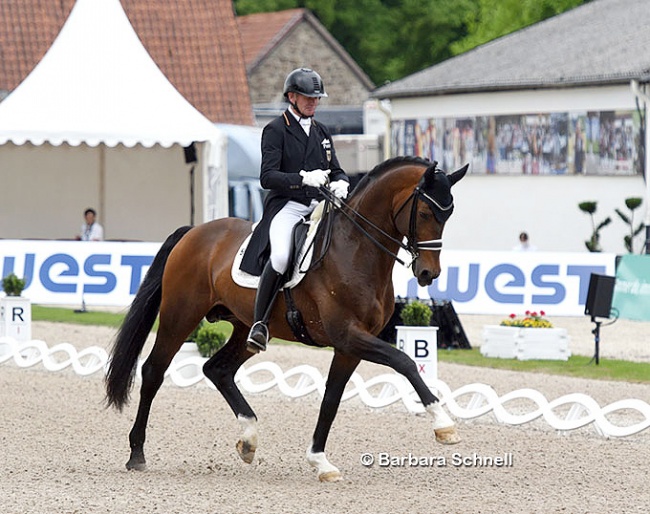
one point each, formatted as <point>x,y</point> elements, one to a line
<point>491,19</point>
<point>390,39</point>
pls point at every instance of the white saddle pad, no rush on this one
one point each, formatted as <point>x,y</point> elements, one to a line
<point>243,279</point>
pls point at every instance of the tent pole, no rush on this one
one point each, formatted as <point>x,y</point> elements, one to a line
<point>102,183</point>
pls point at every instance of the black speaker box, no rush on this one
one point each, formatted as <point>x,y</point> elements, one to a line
<point>599,296</point>
<point>190,153</point>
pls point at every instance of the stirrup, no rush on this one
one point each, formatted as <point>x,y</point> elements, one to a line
<point>258,337</point>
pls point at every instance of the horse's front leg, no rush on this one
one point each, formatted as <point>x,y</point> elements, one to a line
<point>341,369</point>
<point>221,369</point>
<point>367,347</point>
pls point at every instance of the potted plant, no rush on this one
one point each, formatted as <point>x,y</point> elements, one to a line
<point>418,339</point>
<point>15,310</point>
<point>209,339</point>
<point>12,285</point>
<point>527,337</point>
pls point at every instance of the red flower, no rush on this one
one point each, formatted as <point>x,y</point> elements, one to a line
<point>527,313</point>
<point>513,316</point>
<point>542,313</point>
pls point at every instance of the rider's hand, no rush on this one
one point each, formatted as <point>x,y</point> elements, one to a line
<point>314,178</point>
<point>340,189</point>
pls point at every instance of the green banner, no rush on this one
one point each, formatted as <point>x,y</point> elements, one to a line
<point>632,290</point>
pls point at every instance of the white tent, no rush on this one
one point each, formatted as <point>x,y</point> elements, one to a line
<point>97,123</point>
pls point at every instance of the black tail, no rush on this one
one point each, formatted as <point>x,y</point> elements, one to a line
<point>136,327</point>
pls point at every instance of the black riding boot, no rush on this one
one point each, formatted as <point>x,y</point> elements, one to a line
<point>270,283</point>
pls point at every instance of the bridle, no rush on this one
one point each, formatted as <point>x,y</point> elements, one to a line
<point>412,246</point>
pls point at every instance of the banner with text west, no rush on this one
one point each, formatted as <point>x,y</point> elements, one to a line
<point>109,273</point>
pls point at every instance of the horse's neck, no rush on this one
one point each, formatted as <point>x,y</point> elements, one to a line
<point>377,204</point>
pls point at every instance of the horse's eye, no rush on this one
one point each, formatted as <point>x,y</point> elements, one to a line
<point>425,215</point>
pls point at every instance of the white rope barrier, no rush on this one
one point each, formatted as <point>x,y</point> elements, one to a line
<point>392,388</point>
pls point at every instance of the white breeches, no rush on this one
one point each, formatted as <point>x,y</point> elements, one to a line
<point>281,229</point>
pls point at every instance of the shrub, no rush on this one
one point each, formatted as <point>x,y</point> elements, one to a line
<point>416,314</point>
<point>12,285</point>
<point>593,244</point>
<point>632,204</point>
<point>209,338</point>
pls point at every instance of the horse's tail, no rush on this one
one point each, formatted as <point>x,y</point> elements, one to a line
<point>136,326</point>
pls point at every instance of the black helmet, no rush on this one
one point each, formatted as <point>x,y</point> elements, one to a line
<point>306,82</point>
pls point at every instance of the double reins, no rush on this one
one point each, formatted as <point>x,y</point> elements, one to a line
<point>412,246</point>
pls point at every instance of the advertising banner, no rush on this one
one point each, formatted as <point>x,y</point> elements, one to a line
<point>69,272</point>
<point>510,282</point>
<point>109,274</point>
<point>632,290</point>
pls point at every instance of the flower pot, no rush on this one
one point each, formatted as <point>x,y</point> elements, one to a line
<point>16,318</point>
<point>421,344</point>
<point>525,343</point>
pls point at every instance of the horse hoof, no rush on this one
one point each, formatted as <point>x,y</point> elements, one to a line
<point>330,476</point>
<point>136,465</point>
<point>246,451</point>
<point>447,435</point>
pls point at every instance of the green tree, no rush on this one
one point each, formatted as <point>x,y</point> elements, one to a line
<point>390,39</point>
<point>491,19</point>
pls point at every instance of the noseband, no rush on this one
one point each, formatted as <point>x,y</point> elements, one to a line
<point>412,246</point>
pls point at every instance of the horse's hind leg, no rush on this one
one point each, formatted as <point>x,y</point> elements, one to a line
<point>153,374</point>
<point>341,369</point>
<point>221,369</point>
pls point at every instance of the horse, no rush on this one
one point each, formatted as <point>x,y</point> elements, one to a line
<point>345,301</point>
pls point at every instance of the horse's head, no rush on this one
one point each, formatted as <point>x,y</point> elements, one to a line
<point>431,205</point>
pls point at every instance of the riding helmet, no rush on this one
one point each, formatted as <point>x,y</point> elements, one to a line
<point>306,82</point>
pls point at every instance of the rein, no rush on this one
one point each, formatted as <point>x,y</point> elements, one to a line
<point>412,246</point>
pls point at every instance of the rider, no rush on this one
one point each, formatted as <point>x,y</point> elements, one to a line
<point>297,158</point>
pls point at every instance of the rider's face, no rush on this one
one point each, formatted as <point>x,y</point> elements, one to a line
<point>305,104</point>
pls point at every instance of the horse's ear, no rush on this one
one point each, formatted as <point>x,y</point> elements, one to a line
<point>429,175</point>
<point>458,174</point>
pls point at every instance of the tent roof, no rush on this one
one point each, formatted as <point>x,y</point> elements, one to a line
<point>97,84</point>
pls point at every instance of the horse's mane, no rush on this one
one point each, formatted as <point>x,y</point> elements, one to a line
<point>386,166</point>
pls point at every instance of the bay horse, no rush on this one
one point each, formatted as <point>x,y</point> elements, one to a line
<point>345,301</point>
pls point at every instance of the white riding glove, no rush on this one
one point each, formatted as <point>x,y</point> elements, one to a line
<point>340,189</point>
<point>314,178</point>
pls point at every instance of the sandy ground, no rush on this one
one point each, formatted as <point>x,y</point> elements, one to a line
<point>62,452</point>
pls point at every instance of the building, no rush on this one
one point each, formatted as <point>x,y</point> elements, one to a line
<point>548,117</point>
<point>275,43</point>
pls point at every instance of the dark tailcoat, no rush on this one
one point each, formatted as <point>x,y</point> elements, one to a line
<point>286,150</point>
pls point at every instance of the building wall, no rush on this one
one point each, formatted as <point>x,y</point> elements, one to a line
<point>305,47</point>
<point>491,210</point>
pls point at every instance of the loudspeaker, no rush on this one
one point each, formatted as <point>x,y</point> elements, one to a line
<point>190,153</point>
<point>599,296</point>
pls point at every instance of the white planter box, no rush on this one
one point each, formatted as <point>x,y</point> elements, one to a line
<point>188,360</point>
<point>525,343</point>
<point>16,318</point>
<point>421,344</point>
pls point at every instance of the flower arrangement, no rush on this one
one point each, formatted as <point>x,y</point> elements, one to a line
<point>531,320</point>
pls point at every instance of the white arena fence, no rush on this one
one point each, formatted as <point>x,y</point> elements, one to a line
<point>568,412</point>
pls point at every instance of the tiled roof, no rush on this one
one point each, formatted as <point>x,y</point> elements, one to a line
<point>600,42</point>
<point>196,43</point>
<point>262,31</point>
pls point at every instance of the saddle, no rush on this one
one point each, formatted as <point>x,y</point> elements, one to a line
<point>300,261</point>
